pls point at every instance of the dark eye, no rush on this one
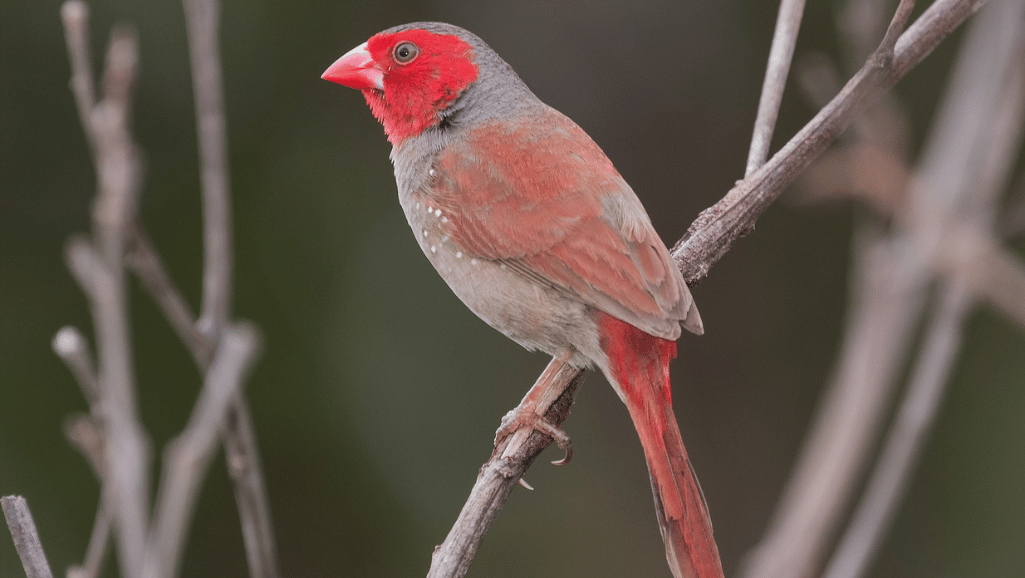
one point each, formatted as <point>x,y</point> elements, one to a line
<point>405,53</point>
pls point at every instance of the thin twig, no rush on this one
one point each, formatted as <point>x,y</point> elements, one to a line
<point>122,239</point>
<point>117,168</point>
<point>239,435</point>
<point>84,433</point>
<point>989,146</point>
<point>947,180</point>
<point>187,456</point>
<point>715,229</point>
<point>75,15</point>
<point>240,451</point>
<point>202,18</point>
<point>70,345</point>
<point>912,425</point>
<point>894,30</point>
<point>26,538</point>
<point>99,541</point>
<point>149,268</point>
<point>788,23</point>
<point>494,482</point>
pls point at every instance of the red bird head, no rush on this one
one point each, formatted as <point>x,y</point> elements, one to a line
<point>409,76</point>
<point>418,76</point>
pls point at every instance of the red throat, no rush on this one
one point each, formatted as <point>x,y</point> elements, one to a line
<point>416,92</point>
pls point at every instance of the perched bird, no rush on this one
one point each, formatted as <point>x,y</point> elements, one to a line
<point>536,232</point>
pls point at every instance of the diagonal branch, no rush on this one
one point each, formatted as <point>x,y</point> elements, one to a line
<point>188,454</point>
<point>707,240</point>
<point>912,424</point>
<point>26,537</point>
<point>953,188</point>
<point>713,233</point>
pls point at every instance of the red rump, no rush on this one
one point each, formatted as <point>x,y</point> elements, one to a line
<point>634,354</point>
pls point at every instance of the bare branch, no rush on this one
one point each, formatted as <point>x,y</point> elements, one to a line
<point>894,30</point>
<point>149,268</point>
<point>497,478</point>
<point>99,270</point>
<point>943,198</point>
<point>901,449</point>
<point>712,234</point>
<point>75,14</point>
<point>998,89</point>
<point>240,449</point>
<point>126,453</point>
<point>187,456</point>
<point>202,19</point>
<point>70,345</point>
<point>715,229</point>
<point>26,538</point>
<point>239,435</point>
<point>99,541</point>
<point>788,23</point>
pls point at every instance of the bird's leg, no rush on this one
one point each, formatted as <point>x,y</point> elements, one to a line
<point>528,416</point>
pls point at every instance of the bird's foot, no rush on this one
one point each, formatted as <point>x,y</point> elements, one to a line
<point>525,417</point>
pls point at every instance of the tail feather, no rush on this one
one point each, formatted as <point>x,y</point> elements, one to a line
<point>639,367</point>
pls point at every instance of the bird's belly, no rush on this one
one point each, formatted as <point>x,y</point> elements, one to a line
<point>532,314</point>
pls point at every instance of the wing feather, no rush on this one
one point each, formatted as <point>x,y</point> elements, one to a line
<point>542,197</point>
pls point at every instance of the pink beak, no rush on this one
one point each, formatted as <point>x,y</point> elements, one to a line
<point>356,69</point>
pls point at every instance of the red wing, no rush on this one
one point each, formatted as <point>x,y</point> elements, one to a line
<point>544,199</point>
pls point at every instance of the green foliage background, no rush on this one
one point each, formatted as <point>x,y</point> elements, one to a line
<point>378,394</point>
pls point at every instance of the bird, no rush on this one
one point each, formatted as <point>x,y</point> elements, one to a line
<point>534,229</point>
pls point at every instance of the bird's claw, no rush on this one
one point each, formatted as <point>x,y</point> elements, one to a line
<point>561,439</point>
<point>525,417</point>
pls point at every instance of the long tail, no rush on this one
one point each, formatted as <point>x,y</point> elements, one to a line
<point>639,366</point>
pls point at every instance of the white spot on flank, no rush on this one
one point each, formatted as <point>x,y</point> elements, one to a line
<point>459,254</point>
<point>430,209</point>
<point>425,232</point>
<point>444,219</point>
<point>418,204</point>
<point>434,248</point>
<point>503,265</point>
<point>431,172</point>
<point>473,261</point>
<point>444,239</point>
<point>437,212</point>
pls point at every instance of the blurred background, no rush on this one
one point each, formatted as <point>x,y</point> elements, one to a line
<point>378,394</point>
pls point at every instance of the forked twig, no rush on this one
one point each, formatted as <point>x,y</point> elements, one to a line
<point>99,267</point>
<point>945,195</point>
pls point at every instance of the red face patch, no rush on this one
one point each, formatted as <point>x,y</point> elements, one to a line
<point>423,73</point>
